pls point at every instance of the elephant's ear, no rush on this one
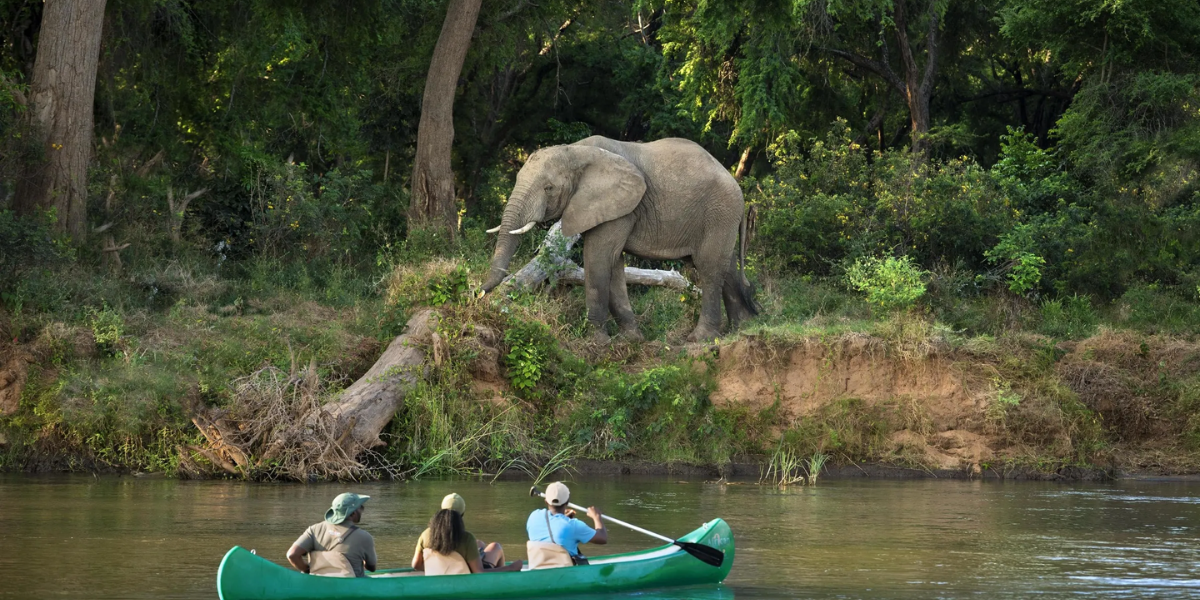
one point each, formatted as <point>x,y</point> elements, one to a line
<point>609,187</point>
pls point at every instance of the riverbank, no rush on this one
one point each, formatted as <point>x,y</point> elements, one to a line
<point>106,373</point>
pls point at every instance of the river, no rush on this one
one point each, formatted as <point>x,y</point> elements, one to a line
<point>124,537</point>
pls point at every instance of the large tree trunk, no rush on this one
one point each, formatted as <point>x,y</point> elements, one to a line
<point>366,407</point>
<point>433,201</point>
<point>918,85</point>
<point>63,90</point>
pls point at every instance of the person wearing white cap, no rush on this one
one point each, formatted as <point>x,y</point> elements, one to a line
<point>336,546</point>
<point>556,524</point>
<point>446,526</point>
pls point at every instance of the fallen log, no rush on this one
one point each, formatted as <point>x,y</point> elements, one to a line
<point>367,406</point>
<point>672,279</point>
<point>552,258</point>
<point>277,427</point>
<point>553,261</point>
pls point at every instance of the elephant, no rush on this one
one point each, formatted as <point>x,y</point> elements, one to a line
<point>666,199</point>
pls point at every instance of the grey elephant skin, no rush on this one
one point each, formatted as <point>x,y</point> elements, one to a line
<point>667,199</point>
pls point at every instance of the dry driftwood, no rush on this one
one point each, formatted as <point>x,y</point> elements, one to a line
<point>556,250</point>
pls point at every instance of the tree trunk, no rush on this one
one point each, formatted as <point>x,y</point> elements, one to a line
<point>918,83</point>
<point>433,202</point>
<point>63,90</point>
<point>366,407</point>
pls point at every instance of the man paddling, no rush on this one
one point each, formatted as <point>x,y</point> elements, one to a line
<point>336,544</point>
<point>557,525</point>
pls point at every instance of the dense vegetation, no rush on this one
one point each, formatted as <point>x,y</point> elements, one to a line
<point>981,168</point>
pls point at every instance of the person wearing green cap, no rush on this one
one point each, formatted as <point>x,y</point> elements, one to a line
<point>336,546</point>
<point>478,556</point>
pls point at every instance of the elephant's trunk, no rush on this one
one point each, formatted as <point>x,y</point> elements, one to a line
<point>515,216</point>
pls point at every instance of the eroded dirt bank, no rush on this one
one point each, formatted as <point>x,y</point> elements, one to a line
<point>918,404</point>
<point>1116,402</point>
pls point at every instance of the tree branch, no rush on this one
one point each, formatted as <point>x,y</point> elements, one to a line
<point>512,12</point>
<point>873,66</point>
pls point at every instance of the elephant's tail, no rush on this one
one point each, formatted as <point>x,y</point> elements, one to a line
<point>745,292</point>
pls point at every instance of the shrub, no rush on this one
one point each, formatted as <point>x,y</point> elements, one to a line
<point>1069,318</point>
<point>1013,253</point>
<point>529,345</point>
<point>890,283</point>
<point>832,201</point>
<point>27,243</point>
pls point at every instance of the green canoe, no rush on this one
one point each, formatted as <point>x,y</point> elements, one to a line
<point>246,576</point>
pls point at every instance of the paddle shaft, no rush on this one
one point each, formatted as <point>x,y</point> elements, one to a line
<point>621,523</point>
<point>624,524</point>
<point>706,554</point>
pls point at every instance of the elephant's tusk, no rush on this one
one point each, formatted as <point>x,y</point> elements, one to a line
<point>494,229</point>
<point>525,229</point>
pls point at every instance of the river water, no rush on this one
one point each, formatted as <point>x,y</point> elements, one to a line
<point>108,537</point>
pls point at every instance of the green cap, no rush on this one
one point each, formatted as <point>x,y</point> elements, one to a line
<point>343,505</point>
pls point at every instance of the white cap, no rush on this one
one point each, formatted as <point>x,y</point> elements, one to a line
<point>455,503</point>
<point>557,494</point>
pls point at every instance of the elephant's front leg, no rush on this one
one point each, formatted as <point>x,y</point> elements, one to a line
<point>597,283</point>
<point>619,303</point>
<point>602,248</point>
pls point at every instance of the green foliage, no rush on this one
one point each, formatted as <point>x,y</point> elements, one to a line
<point>1012,253</point>
<point>1154,308</point>
<point>26,244</point>
<point>850,427</point>
<point>563,133</point>
<point>107,329</point>
<point>1032,177</point>
<point>450,287</point>
<point>828,202</point>
<point>657,411</point>
<point>890,283</point>
<point>1068,318</point>
<point>530,344</point>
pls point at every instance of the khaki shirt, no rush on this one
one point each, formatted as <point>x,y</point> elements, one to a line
<point>356,543</point>
<point>468,547</point>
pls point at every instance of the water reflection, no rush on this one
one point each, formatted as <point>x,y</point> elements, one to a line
<point>138,538</point>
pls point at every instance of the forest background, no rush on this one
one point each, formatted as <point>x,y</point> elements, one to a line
<point>1004,177</point>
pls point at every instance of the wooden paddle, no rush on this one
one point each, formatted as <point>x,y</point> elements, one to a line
<point>706,554</point>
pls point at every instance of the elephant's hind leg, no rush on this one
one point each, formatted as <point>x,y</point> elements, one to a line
<point>736,294</point>
<point>712,260</point>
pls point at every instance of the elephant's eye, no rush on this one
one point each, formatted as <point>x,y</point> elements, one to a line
<point>549,187</point>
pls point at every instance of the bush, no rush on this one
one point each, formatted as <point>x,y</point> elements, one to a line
<point>1069,318</point>
<point>890,283</point>
<point>834,202</point>
<point>660,409</point>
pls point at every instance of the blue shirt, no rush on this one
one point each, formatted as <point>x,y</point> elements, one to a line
<point>568,532</point>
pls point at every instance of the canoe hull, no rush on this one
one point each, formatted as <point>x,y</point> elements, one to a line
<point>245,576</point>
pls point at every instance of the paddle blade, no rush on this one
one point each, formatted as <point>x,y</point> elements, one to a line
<point>707,554</point>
